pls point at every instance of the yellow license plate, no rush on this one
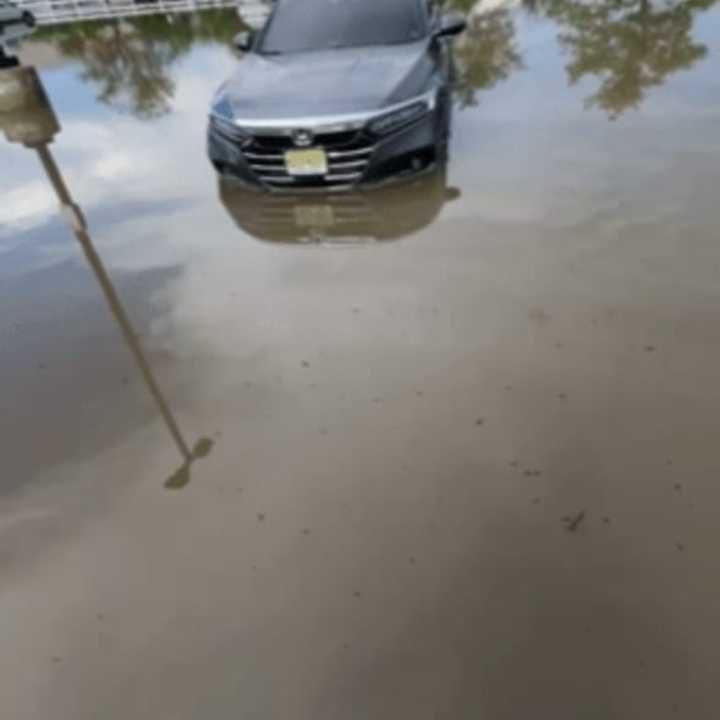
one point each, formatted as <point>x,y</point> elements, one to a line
<point>314,216</point>
<point>306,162</point>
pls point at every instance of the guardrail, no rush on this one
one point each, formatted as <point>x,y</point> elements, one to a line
<point>55,12</point>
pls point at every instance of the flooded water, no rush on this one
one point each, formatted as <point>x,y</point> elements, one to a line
<point>442,450</point>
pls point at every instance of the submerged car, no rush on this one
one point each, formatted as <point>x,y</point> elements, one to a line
<point>10,14</point>
<point>334,94</point>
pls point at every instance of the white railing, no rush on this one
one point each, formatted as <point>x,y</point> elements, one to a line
<point>54,12</point>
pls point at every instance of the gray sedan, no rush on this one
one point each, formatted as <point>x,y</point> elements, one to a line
<point>334,94</point>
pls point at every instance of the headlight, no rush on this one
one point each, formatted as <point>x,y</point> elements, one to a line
<point>394,120</point>
<point>223,108</point>
<point>223,120</point>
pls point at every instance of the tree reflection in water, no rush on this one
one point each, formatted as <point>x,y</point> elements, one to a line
<point>630,45</point>
<point>129,60</point>
<point>486,53</point>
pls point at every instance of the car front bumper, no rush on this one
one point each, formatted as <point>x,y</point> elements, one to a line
<point>355,158</point>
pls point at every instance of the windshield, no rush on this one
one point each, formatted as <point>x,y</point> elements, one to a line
<point>299,25</point>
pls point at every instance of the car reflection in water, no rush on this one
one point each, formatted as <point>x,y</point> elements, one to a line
<point>27,118</point>
<point>339,219</point>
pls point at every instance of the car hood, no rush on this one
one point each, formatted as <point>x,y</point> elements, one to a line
<point>328,82</point>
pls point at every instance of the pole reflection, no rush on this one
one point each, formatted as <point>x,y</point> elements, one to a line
<point>27,118</point>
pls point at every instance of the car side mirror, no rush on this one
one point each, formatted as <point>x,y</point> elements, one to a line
<point>450,26</point>
<point>243,41</point>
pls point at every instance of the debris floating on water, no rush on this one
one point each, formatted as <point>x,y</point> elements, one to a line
<point>573,523</point>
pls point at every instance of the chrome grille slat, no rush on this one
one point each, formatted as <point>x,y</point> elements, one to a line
<point>347,176</point>
<point>279,179</point>
<point>358,164</point>
<point>263,156</point>
<point>334,154</point>
<point>268,168</point>
<point>293,180</point>
<point>348,165</point>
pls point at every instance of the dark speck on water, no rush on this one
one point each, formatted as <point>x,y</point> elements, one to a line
<point>650,348</point>
<point>573,523</point>
<point>305,364</point>
<point>678,487</point>
<point>480,422</point>
<point>680,547</point>
<point>261,517</point>
<point>306,531</point>
<point>357,594</point>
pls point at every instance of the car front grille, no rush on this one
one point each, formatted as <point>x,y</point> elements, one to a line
<point>348,156</point>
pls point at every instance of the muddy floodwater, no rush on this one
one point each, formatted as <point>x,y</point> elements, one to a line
<point>449,449</point>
